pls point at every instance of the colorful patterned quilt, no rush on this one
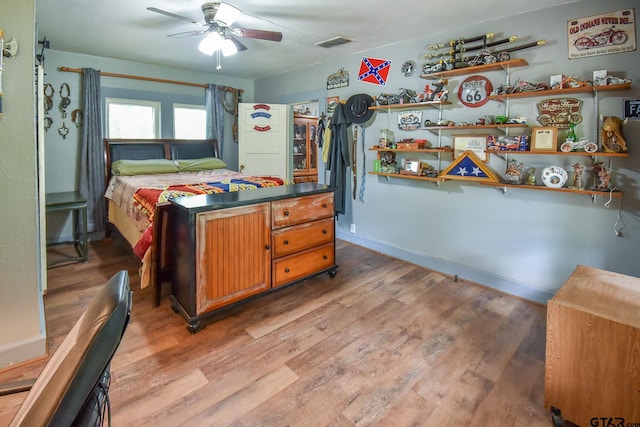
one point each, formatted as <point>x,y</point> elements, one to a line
<point>139,195</point>
<point>145,199</point>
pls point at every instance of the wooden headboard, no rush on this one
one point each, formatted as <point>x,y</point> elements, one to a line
<point>140,149</point>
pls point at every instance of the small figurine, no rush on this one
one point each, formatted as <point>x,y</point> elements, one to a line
<point>389,164</point>
<point>612,140</point>
<point>531,179</point>
<point>513,174</point>
<point>577,176</point>
<point>571,136</point>
<point>602,176</point>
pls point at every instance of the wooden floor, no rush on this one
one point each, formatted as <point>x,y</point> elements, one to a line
<point>384,343</point>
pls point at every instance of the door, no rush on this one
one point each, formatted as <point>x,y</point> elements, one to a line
<point>263,146</point>
<point>233,255</point>
<point>42,210</point>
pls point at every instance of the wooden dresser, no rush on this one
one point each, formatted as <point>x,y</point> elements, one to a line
<point>232,246</point>
<point>592,370</point>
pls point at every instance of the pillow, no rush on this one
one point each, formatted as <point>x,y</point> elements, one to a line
<point>143,167</point>
<point>204,163</point>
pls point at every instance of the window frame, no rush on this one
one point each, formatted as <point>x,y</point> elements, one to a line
<point>188,107</point>
<point>156,105</point>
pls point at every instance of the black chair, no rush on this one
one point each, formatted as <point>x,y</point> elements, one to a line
<point>73,387</point>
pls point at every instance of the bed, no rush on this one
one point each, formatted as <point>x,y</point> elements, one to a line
<point>141,176</point>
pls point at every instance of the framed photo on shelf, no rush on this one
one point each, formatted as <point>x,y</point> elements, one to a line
<point>544,138</point>
<point>475,143</point>
<point>411,167</point>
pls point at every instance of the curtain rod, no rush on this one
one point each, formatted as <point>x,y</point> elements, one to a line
<point>148,79</point>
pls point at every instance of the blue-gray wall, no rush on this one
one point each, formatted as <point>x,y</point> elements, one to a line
<point>522,242</point>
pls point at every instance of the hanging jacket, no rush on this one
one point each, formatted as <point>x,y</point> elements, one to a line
<point>339,156</point>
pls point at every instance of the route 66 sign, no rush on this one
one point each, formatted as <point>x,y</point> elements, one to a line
<point>474,91</point>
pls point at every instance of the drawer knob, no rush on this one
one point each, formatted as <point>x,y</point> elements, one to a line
<point>324,231</point>
<point>286,242</point>
<point>286,270</point>
<point>286,213</point>
<point>324,205</point>
<point>267,247</point>
<point>324,257</point>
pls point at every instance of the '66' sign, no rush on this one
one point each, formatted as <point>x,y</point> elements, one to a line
<point>474,91</point>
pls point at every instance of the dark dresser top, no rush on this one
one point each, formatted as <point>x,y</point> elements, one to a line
<point>208,202</point>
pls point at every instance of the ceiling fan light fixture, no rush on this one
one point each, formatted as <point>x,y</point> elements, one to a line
<point>228,47</point>
<point>227,14</point>
<point>210,44</point>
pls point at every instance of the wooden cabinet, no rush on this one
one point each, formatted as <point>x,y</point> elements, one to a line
<point>302,238</point>
<point>592,365</point>
<point>232,255</point>
<point>232,246</point>
<point>305,149</point>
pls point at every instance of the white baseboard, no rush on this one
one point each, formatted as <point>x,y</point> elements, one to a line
<point>22,351</point>
<point>483,278</point>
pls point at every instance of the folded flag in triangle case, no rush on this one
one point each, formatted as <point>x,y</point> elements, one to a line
<point>374,70</point>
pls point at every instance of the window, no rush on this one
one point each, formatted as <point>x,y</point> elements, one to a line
<point>130,118</point>
<point>189,121</point>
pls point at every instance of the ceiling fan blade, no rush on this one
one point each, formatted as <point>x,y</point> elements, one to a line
<point>173,15</point>
<point>187,34</point>
<point>248,33</point>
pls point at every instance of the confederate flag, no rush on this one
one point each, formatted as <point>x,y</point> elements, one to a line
<point>373,70</point>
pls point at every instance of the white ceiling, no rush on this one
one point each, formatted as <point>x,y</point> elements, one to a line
<point>125,29</point>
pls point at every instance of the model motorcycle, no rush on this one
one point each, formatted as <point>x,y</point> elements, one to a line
<point>610,36</point>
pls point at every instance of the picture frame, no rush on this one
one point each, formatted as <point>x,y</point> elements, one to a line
<point>411,167</point>
<point>544,139</point>
<point>474,143</point>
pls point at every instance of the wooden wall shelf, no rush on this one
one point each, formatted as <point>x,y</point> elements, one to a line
<point>505,65</point>
<point>414,150</point>
<point>409,106</point>
<point>566,91</point>
<point>414,177</point>
<point>560,190</point>
<point>505,126</point>
<point>561,153</point>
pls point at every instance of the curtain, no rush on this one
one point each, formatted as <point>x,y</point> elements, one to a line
<point>215,115</point>
<point>91,153</point>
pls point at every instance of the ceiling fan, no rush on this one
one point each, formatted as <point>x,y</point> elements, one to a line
<point>220,36</point>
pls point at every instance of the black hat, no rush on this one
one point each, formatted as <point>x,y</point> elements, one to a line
<point>357,108</point>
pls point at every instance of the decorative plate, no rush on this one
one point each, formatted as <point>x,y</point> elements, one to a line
<point>566,147</point>
<point>591,147</point>
<point>408,68</point>
<point>554,176</point>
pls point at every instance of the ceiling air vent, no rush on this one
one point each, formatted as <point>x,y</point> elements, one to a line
<point>335,41</point>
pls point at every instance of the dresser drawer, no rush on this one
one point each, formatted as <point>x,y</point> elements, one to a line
<point>301,209</point>
<point>293,267</point>
<point>285,241</point>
